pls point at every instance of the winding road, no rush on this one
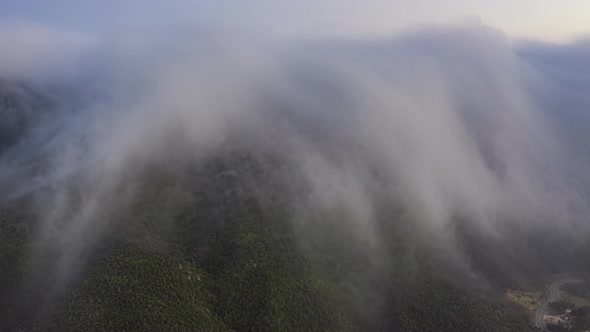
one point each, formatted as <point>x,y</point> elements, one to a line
<point>553,295</point>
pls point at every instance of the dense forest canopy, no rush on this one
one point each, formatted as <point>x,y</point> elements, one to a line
<point>240,181</point>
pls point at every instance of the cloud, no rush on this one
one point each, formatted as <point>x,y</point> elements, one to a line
<point>31,49</point>
<point>445,123</point>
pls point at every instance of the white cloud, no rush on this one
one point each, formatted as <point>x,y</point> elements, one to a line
<point>30,49</point>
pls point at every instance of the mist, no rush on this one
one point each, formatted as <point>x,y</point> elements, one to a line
<point>433,129</point>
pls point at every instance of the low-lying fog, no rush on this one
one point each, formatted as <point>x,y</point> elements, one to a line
<point>447,122</point>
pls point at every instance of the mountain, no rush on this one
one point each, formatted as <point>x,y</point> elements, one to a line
<point>432,181</point>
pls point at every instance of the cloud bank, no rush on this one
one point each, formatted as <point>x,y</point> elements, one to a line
<point>448,124</point>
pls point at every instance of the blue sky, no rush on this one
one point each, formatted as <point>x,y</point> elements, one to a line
<point>550,20</point>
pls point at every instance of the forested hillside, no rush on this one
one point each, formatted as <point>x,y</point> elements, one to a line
<point>204,251</point>
<point>208,178</point>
